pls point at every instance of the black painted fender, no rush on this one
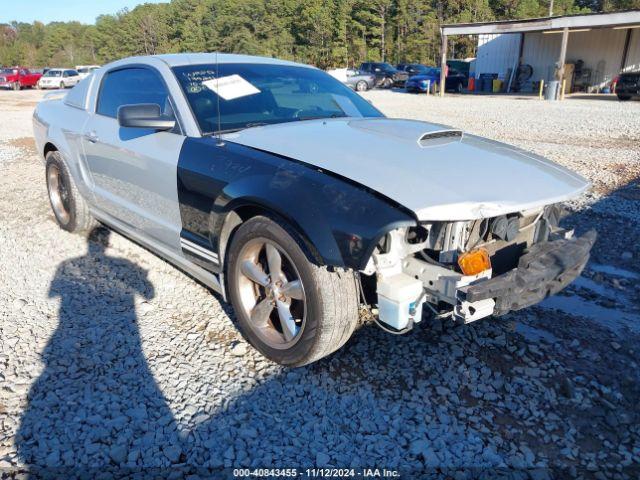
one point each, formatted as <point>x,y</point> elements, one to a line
<point>342,220</point>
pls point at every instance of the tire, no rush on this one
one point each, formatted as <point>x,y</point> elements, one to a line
<point>16,86</point>
<point>459,88</point>
<point>62,87</point>
<point>624,98</point>
<point>69,208</point>
<point>387,83</point>
<point>325,317</point>
<point>362,86</point>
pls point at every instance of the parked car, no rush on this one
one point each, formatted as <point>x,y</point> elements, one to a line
<point>628,85</point>
<point>355,79</point>
<point>360,81</point>
<point>59,78</point>
<point>420,83</point>
<point>18,77</point>
<point>386,75</point>
<point>85,70</point>
<point>412,68</point>
<point>298,201</point>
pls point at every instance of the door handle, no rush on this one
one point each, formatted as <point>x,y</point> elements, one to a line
<point>91,137</point>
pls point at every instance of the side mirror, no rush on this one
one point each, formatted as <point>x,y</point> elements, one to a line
<point>144,115</point>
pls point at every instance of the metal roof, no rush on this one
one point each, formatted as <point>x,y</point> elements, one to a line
<point>577,21</point>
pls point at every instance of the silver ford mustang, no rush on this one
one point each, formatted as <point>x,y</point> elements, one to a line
<point>303,205</point>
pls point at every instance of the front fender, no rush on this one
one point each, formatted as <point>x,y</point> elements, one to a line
<point>342,220</point>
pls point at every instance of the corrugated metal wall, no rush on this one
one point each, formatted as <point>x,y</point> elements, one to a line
<point>599,49</point>
<point>497,53</point>
<point>633,57</point>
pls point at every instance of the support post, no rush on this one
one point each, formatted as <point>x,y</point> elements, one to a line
<point>443,64</point>
<point>563,53</point>
<point>625,50</point>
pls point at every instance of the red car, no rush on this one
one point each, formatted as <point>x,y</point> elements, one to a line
<point>18,77</point>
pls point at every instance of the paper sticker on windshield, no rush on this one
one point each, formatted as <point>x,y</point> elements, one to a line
<point>231,86</point>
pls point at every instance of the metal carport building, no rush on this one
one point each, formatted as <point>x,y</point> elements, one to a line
<point>605,44</point>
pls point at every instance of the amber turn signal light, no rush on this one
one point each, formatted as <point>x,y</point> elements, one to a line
<point>474,262</point>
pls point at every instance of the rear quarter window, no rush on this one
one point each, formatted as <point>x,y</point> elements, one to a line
<point>77,96</point>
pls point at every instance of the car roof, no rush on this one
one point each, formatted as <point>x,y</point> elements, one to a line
<point>183,59</point>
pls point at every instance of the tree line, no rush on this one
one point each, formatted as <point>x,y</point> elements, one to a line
<point>326,33</point>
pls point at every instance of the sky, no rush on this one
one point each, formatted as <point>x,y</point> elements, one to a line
<point>47,11</point>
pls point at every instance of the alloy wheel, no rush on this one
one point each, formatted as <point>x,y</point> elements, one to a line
<point>271,293</point>
<point>58,193</point>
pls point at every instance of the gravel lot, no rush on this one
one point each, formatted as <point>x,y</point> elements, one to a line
<point>111,358</point>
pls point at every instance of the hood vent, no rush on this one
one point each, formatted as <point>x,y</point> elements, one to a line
<point>440,137</point>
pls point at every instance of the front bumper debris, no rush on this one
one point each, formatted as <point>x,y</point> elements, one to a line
<point>544,270</point>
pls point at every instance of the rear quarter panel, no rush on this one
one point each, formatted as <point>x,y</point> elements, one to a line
<point>61,125</point>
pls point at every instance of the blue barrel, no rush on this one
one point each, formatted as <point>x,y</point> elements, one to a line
<point>485,82</point>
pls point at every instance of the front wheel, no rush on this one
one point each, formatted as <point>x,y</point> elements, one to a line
<point>362,86</point>
<point>387,83</point>
<point>293,311</point>
<point>16,86</point>
<point>61,85</point>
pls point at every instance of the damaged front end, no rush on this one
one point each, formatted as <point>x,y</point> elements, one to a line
<point>472,269</point>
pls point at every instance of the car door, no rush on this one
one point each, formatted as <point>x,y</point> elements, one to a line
<point>135,170</point>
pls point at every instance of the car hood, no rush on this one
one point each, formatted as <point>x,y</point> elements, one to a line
<point>436,172</point>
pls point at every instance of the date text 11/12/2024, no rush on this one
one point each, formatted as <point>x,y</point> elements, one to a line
<point>316,472</point>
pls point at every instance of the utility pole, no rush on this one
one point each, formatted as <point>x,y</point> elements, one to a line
<point>551,8</point>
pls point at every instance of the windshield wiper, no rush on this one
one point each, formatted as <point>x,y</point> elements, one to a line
<point>319,117</point>
<point>232,130</point>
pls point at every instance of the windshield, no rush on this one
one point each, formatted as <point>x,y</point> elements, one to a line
<point>262,94</point>
<point>9,70</point>
<point>386,67</point>
<point>53,73</point>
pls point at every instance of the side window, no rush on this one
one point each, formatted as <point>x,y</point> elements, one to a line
<point>65,74</point>
<point>130,86</point>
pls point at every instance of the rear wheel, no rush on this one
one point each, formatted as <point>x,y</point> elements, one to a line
<point>69,208</point>
<point>16,86</point>
<point>387,83</point>
<point>61,85</point>
<point>624,98</point>
<point>362,86</point>
<point>291,310</point>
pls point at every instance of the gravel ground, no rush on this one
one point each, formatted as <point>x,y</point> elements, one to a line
<point>111,358</point>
